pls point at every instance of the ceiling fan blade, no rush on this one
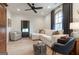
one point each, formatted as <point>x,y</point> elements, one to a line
<point>34,10</point>
<point>27,9</point>
<point>29,4</point>
<point>32,7</point>
<point>38,8</point>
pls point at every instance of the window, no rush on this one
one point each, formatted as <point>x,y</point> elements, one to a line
<point>58,20</point>
<point>25,30</point>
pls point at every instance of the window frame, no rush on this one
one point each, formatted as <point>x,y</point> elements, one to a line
<point>58,23</point>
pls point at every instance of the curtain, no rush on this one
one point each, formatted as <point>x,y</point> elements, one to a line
<point>67,17</point>
<point>52,20</point>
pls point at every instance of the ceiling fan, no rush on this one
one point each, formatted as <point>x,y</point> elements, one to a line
<point>32,6</point>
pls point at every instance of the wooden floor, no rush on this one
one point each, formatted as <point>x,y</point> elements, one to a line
<point>23,46</point>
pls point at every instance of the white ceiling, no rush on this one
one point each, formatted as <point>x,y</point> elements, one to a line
<point>47,8</point>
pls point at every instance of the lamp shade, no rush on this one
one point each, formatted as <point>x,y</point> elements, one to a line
<point>74,25</point>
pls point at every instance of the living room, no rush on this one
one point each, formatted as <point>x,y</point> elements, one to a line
<point>35,19</point>
<point>46,25</point>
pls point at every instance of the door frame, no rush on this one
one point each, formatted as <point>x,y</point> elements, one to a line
<point>28,27</point>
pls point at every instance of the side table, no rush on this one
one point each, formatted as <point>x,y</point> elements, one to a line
<point>40,49</point>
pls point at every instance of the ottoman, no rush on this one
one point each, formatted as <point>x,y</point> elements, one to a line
<point>39,49</point>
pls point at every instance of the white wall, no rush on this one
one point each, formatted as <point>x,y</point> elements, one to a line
<point>36,24</point>
<point>47,21</point>
<point>16,23</point>
<point>8,28</point>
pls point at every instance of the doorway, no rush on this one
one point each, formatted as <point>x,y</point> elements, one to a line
<point>25,28</point>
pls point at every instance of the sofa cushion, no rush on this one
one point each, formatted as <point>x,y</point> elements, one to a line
<point>42,31</point>
<point>55,33</point>
<point>48,32</point>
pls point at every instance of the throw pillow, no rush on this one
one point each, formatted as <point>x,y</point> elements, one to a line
<point>63,40</point>
<point>42,31</point>
<point>55,33</point>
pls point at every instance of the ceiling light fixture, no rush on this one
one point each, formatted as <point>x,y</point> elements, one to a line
<point>18,9</point>
<point>49,7</point>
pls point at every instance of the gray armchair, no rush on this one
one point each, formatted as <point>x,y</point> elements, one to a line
<point>64,48</point>
<point>15,35</point>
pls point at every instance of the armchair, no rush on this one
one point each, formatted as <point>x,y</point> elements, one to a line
<point>64,48</point>
<point>15,35</point>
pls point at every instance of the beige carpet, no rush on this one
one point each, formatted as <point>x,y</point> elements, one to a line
<point>23,46</point>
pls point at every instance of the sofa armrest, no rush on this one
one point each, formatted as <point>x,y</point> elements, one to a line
<point>58,47</point>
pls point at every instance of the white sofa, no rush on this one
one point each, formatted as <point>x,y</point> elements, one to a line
<point>48,38</point>
<point>15,35</point>
<point>35,36</point>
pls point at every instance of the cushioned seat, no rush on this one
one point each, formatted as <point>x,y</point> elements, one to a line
<point>15,35</point>
<point>64,48</point>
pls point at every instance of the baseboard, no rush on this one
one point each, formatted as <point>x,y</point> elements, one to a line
<point>3,53</point>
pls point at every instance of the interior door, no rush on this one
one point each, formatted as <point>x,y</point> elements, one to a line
<point>25,28</point>
<point>3,21</point>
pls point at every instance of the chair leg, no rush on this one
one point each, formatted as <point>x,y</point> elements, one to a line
<point>53,53</point>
